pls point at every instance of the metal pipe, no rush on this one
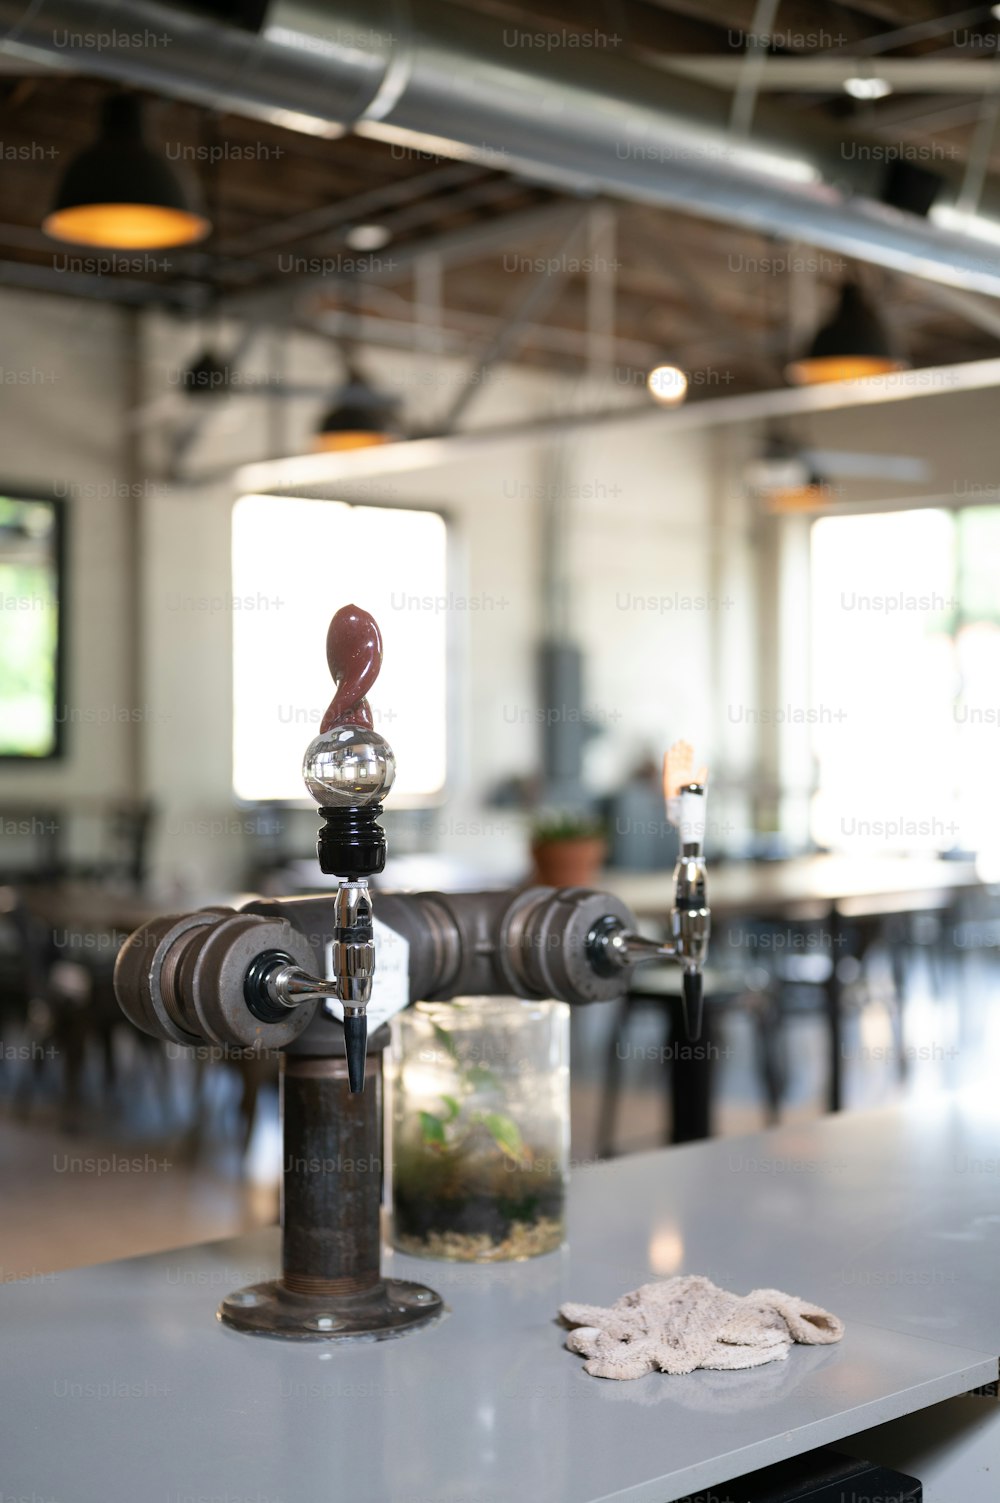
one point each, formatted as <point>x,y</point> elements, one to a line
<point>331,1287</point>
<point>432,75</point>
<point>331,1176</point>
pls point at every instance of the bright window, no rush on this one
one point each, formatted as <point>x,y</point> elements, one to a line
<point>30,628</point>
<point>882,678</point>
<point>295,562</point>
<point>906,680</point>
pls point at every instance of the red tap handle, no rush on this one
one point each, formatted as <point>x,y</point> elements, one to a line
<point>354,653</point>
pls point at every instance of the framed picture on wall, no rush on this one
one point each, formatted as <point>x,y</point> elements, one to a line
<point>32,627</point>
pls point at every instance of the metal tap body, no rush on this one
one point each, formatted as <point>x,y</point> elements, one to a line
<point>253,981</point>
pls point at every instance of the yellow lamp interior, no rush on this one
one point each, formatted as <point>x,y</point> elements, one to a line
<point>126,226</point>
<point>332,443</point>
<point>813,372</point>
<point>799,497</point>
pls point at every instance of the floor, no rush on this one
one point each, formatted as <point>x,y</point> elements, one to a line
<point>131,1178</point>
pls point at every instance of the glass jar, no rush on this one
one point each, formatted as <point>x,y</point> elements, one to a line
<point>480,1128</point>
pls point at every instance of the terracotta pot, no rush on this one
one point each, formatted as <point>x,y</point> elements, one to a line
<point>568,863</point>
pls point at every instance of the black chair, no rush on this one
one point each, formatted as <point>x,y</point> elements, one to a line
<point>125,829</point>
<point>54,1022</point>
<point>691,1070</point>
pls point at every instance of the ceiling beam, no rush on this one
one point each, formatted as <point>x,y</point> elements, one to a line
<point>814,75</point>
<point>276,303</point>
<point>803,24</point>
<point>530,302</point>
<point>314,474</point>
<point>900,12</point>
<point>638,27</point>
<point>464,332</point>
<point>983,315</point>
<point>129,291</point>
<point>351,210</point>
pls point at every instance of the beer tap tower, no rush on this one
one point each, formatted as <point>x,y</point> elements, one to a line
<point>250,980</point>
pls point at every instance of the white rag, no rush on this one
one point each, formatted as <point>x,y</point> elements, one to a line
<point>677,1325</point>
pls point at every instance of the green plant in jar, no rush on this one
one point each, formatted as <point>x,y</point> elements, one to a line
<point>478,1161</point>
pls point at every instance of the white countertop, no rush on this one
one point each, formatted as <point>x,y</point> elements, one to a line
<point>120,1375</point>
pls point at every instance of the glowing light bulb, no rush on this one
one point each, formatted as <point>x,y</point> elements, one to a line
<point>668,384</point>
<point>867,88</point>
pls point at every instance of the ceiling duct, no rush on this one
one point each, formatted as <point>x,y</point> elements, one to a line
<point>435,76</point>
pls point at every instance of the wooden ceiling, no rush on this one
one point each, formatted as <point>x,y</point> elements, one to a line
<point>465,242</point>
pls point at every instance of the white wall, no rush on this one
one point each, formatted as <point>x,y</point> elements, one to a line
<point>63,396</point>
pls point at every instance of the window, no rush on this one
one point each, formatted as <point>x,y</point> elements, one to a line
<point>906,680</point>
<point>31,616</point>
<point>295,562</point>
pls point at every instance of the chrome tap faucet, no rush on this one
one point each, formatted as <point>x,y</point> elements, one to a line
<point>345,998</point>
<point>613,947</point>
<point>691,917</point>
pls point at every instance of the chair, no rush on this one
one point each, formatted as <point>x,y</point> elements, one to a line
<point>691,1069</point>
<point>55,1022</point>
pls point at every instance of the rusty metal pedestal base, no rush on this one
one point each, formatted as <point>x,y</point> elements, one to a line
<point>392,1307</point>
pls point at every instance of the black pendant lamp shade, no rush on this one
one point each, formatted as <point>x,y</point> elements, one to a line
<point>359,418</point>
<point>853,344</point>
<point>122,194</point>
<point>206,376</point>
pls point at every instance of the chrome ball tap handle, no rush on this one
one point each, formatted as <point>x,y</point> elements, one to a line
<point>348,769</point>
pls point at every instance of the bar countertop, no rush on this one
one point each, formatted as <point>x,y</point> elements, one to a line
<point>118,1384</point>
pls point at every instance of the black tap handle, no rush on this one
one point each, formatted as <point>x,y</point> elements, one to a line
<point>692,1004</point>
<point>356,1040</point>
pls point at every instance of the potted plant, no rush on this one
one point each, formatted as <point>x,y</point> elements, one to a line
<point>567,849</point>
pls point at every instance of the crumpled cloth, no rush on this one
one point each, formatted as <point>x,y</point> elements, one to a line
<point>678,1325</point>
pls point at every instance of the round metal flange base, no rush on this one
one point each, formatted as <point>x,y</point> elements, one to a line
<point>392,1307</point>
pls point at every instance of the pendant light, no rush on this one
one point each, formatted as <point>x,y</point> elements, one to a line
<point>853,344</point>
<point>359,417</point>
<point>814,494</point>
<point>120,193</point>
<point>785,478</point>
<point>206,376</point>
